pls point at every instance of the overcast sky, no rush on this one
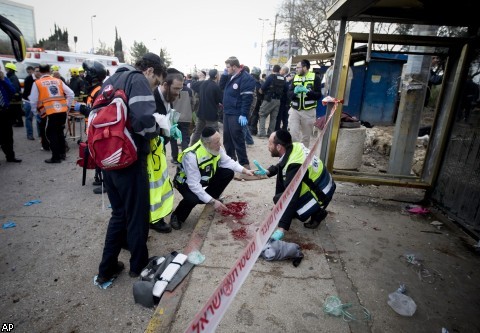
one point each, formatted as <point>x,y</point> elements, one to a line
<point>201,33</point>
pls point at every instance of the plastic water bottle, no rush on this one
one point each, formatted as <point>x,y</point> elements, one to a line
<point>401,303</point>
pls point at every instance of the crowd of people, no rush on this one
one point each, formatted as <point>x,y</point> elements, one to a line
<point>165,106</point>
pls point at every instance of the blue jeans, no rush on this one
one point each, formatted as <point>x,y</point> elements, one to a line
<point>234,139</point>
<point>248,135</point>
<point>27,108</point>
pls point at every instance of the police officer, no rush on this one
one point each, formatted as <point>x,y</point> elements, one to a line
<point>315,191</point>
<point>273,90</point>
<point>204,164</point>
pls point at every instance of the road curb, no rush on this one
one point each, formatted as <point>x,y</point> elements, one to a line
<point>170,302</point>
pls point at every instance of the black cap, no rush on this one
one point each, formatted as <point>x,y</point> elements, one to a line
<point>153,58</point>
<point>208,132</point>
<point>283,137</point>
<point>212,73</point>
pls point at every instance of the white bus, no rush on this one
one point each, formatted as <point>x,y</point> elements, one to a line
<point>66,60</point>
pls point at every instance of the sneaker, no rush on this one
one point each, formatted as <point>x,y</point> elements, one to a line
<point>161,227</point>
<point>98,190</point>
<point>30,138</point>
<point>175,223</point>
<point>118,269</point>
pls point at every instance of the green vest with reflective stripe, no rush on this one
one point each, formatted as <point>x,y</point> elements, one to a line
<point>161,189</point>
<point>207,164</point>
<point>303,102</point>
<point>315,172</point>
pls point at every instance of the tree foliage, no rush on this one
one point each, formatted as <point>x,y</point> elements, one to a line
<point>165,57</point>
<point>138,50</point>
<point>104,50</point>
<point>118,47</point>
<point>57,41</point>
<point>306,21</point>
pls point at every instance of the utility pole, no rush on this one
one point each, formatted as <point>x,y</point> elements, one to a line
<point>91,21</point>
<point>261,45</point>
<point>291,29</point>
<point>274,32</point>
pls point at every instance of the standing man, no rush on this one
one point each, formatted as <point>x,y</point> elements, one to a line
<point>304,93</point>
<point>204,173</point>
<point>210,99</point>
<point>282,117</point>
<point>34,73</point>
<point>183,105</point>
<point>237,99</point>
<point>312,197</point>
<point>16,100</point>
<point>51,98</point>
<point>6,117</point>
<point>273,90</point>
<point>127,188</point>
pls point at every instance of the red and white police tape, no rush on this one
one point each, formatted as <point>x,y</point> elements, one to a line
<point>208,318</point>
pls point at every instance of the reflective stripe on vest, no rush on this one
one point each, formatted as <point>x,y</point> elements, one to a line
<point>51,97</point>
<point>161,188</point>
<point>207,164</point>
<point>304,102</point>
<point>316,172</point>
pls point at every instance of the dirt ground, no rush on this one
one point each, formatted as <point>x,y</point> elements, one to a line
<point>48,260</point>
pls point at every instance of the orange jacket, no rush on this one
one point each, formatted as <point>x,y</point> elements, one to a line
<point>51,97</point>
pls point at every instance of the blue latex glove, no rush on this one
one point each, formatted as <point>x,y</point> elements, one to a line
<point>175,133</point>
<point>297,89</point>
<point>277,235</point>
<point>77,106</point>
<point>242,120</point>
<point>261,171</point>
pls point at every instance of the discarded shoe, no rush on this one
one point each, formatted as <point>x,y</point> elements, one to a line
<point>161,227</point>
<point>175,223</point>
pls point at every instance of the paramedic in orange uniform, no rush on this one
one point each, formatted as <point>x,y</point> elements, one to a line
<point>51,98</point>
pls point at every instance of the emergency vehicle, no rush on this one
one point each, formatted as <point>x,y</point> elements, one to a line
<point>67,60</point>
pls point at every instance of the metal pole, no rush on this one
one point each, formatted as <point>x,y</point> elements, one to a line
<point>291,30</point>
<point>91,21</point>
<point>261,45</point>
<point>274,32</point>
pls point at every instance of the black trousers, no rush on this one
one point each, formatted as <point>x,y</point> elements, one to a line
<point>54,132</point>
<point>42,125</point>
<point>217,185</point>
<point>6,132</point>
<point>128,192</point>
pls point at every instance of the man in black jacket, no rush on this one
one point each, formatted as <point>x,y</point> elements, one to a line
<point>210,97</point>
<point>127,188</point>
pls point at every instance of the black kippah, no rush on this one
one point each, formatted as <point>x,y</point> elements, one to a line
<point>208,132</point>
<point>284,137</point>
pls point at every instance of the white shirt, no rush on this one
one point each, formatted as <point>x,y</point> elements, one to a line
<point>190,166</point>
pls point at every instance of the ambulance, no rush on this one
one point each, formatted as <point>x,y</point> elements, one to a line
<point>67,60</point>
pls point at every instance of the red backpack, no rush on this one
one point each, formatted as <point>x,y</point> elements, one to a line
<point>109,140</point>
